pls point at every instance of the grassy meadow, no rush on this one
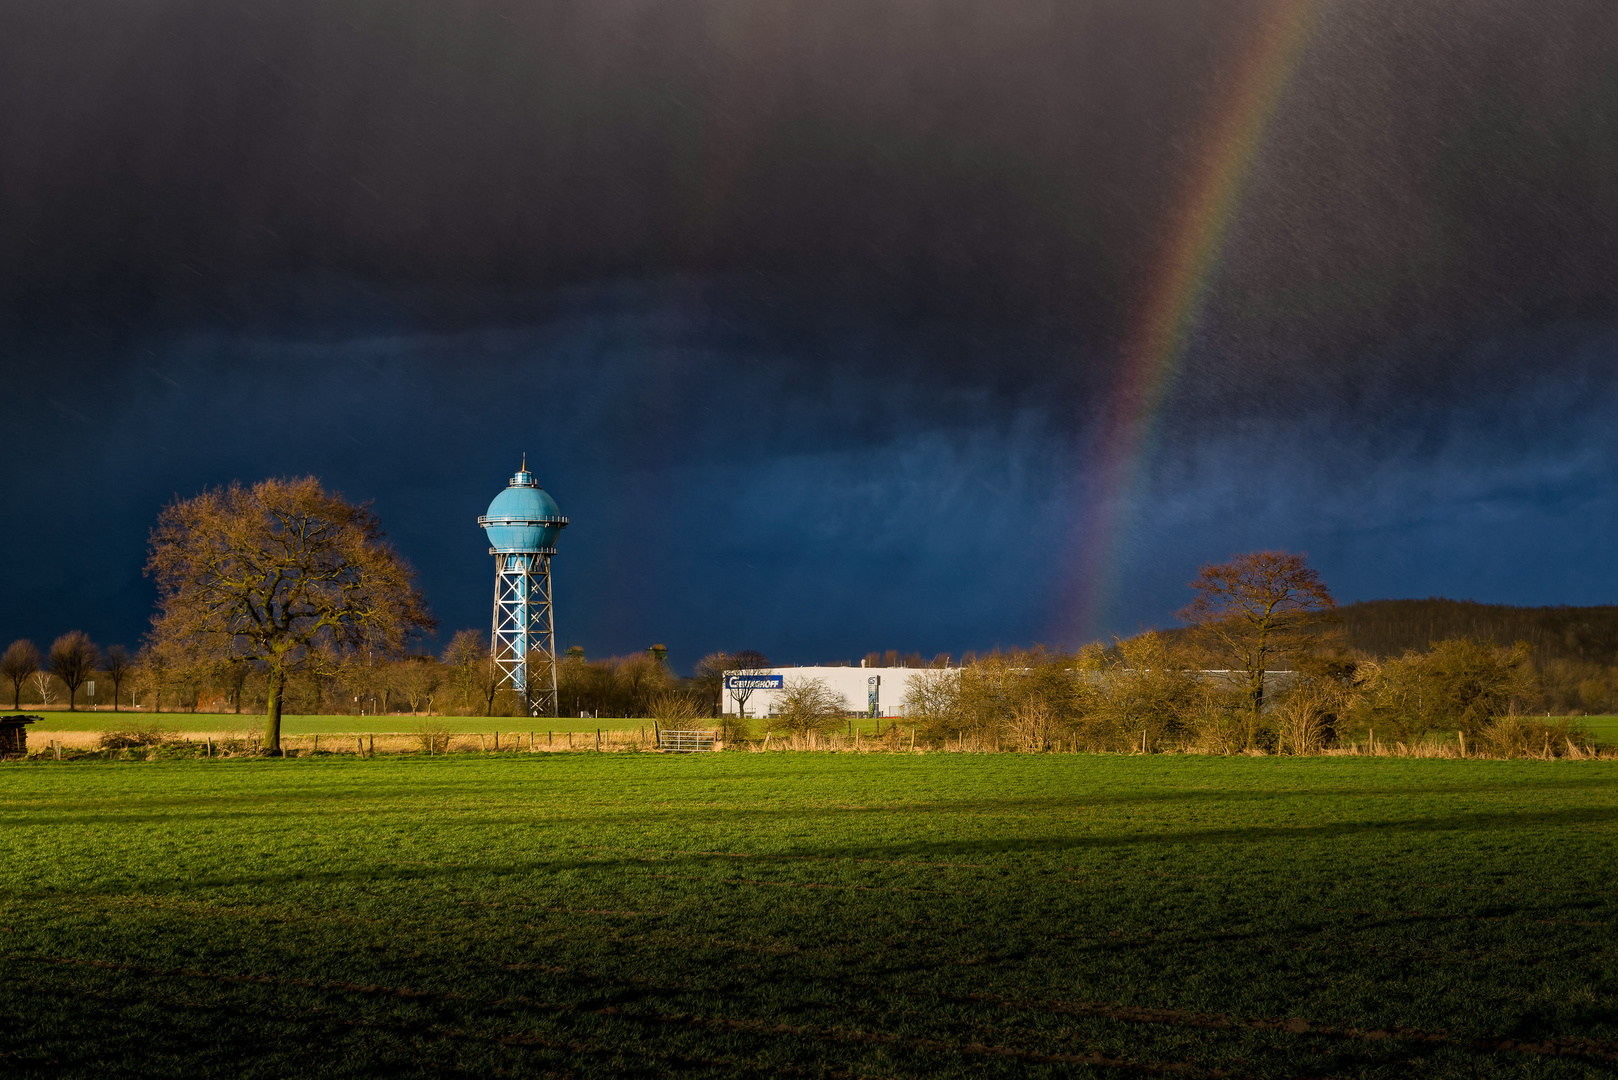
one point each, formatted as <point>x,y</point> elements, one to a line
<point>1604,728</point>
<point>799,914</point>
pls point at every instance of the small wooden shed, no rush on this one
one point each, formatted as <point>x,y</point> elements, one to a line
<point>14,734</point>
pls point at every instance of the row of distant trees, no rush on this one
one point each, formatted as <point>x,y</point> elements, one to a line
<point>283,594</point>
<point>72,662</point>
<point>461,680</point>
<point>1263,666</point>
<point>1150,692</point>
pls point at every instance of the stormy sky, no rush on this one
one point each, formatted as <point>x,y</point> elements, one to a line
<point>811,313</point>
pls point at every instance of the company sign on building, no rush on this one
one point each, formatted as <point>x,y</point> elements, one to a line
<point>753,682</point>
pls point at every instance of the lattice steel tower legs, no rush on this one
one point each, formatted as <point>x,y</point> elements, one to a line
<point>523,523</point>
<point>524,637</point>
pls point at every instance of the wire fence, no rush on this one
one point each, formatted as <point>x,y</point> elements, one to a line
<point>151,743</point>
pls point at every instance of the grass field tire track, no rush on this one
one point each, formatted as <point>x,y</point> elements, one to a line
<point>730,915</point>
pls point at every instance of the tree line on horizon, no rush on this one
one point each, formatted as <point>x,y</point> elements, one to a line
<point>283,595</point>
<point>1265,664</point>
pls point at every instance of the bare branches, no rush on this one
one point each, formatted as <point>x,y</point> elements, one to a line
<point>73,660</point>
<point>282,572</point>
<point>1256,608</point>
<point>809,705</point>
<point>710,679</point>
<point>746,663</point>
<point>20,661</point>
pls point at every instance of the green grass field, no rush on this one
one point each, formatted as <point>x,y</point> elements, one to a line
<point>946,915</point>
<point>1604,728</point>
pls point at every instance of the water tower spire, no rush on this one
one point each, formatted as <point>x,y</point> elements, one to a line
<point>523,523</point>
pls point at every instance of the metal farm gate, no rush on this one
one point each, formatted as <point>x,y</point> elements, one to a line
<point>684,742</point>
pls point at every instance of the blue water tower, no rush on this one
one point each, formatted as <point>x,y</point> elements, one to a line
<point>522,523</point>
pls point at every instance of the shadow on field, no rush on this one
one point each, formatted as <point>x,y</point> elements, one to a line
<point>1476,823</point>
<point>921,850</point>
<point>555,808</point>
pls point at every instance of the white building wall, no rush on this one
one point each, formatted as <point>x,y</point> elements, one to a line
<point>847,681</point>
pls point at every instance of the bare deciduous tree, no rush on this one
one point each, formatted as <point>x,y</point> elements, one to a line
<point>993,688</point>
<point>234,680</point>
<point>674,709</point>
<point>1141,693</point>
<point>119,666</point>
<point>417,679</point>
<point>1457,685</point>
<point>365,680</point>
<point>710,679</point>
<point>639,679</point>
<point>933,699</point>
<point>152,671</point>
<point>573,677</point>
<point>467,659</point>
<point>1257,608</point>
<point>809,705</point>
<point>20,661</point>
<point>284,573</point>
<point>748,664</point>
<point>73,659</point>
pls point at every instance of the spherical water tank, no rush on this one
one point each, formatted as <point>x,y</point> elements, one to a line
<point>523,518</point>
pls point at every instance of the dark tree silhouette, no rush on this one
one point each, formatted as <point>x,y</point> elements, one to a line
<point>709,676</point>
<point>746,662</point>
<point>73,659</point>
<point>118,666</point>
<point>21,660</point>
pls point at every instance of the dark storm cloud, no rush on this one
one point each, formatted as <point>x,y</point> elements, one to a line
<point>831,293</point>
<point>1013,162</point>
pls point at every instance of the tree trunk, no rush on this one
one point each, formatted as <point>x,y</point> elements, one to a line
<point>72,692</point>
<point>1255,685</point>
<point>272,721</point>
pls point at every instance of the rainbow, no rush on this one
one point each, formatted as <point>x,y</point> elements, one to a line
<point>1155,350</point>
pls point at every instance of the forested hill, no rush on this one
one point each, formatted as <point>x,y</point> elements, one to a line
<point>1389,627</point>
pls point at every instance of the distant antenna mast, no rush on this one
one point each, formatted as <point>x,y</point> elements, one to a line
<point>522,523</point>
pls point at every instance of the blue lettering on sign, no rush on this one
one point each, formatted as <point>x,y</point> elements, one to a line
<point>753,682</point>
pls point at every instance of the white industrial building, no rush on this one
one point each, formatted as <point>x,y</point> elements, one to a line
<point>857,685</point>
<point>881,691</point>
